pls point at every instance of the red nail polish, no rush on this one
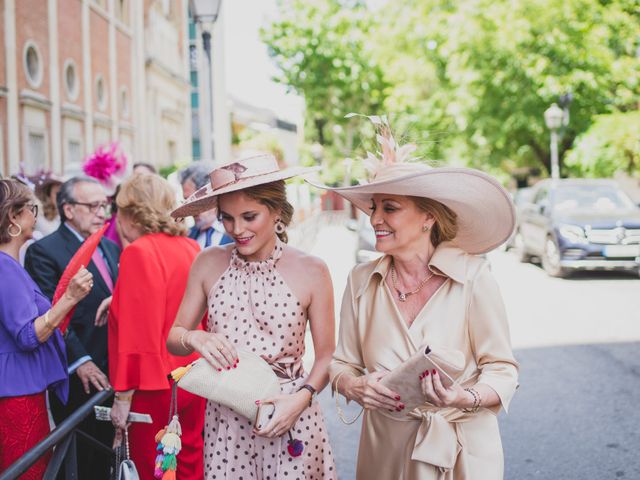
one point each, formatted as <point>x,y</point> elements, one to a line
<point>397,397</point>
<point>426,374</point>
<point>420,377</point>
<point>219,369</point>
<point>433,372</point>
<point>398,409</point>
<point>402,406</point>
<point>228,368</point>
<point>235,366</point>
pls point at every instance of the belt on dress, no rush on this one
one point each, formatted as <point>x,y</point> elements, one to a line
<point>288,371</point>
<point>437,441</point>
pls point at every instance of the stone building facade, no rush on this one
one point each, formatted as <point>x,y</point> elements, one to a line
<point>76,74</point>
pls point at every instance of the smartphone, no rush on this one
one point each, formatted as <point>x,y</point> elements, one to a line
<point>264,415</point>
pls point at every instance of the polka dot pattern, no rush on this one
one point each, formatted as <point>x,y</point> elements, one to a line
<point>253,306</point>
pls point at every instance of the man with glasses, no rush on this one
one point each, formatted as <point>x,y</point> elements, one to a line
<point>83,208</point>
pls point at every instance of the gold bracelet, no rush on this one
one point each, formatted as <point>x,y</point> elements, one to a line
<point>46,320</point>
<point>124,397</point>
<point>182,340</point>
<point>341,414</point>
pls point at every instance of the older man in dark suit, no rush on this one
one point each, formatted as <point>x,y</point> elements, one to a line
<point>82,205</point>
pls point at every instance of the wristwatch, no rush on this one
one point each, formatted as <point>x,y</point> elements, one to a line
<point>312,390</point>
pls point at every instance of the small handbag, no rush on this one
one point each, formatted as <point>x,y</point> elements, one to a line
<point>404,379</point>
<point>238,388</point>
<point>125,468</point>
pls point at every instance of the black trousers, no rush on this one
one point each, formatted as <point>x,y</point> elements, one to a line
<point>93,464</point>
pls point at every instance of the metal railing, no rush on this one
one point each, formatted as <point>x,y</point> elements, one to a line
<point>63,437</point>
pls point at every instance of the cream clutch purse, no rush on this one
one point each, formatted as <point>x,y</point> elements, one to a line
<point>238,388</point>
<point>404,379</point>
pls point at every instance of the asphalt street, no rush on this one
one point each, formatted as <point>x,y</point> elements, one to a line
<point>576,413</point>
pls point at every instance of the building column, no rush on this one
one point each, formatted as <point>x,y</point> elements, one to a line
<point>221,118</point>
<point>87,78</point>
<point>138,84</point>
<point>54,82</point>
<point>113,72</point>
<point>13,123</point>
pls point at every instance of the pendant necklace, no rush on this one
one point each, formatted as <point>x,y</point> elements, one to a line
<point>402,296</point>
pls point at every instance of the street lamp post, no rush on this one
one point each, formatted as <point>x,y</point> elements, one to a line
<point>205,13</point>
<point>554,117</point>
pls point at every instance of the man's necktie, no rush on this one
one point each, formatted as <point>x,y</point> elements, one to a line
<point>207,242</point>
<point>103,269</point>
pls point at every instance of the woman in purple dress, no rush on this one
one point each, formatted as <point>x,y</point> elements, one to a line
<point>32,352</point>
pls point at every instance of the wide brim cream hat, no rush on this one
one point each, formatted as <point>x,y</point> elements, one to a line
<point>247,172</point>
<point>485,212</point>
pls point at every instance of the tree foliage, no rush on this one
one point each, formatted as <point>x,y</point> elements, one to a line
<point>467,80</point>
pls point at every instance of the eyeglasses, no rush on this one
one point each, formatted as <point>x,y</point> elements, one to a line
<point>33,207</point>
<point>94,206</point>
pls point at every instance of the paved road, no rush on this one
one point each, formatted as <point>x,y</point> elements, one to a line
<point>576,414</point>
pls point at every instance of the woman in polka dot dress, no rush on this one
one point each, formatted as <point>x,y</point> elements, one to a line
<point>259,294</point>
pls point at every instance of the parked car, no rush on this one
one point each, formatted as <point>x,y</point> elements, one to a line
<point>366,248</point>
<point>580,224</point>
<point>521,198</point>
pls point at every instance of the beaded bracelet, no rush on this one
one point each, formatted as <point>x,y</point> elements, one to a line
<point>46,320</point>
<point>477,400</point>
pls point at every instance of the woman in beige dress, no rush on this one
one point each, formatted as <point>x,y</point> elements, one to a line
<point>429,288</point>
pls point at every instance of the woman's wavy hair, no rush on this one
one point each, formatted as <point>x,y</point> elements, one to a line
<point>148,201</point>
<point>14,195</point>
<point>445,227</point>
<point>274,196</point>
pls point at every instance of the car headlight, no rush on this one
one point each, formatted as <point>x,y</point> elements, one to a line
<point>573,233</point>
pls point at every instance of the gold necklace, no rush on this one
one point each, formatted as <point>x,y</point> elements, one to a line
<point>402,296</point>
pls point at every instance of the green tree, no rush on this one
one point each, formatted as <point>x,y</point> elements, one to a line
<point>322,52</point>
<point>611,144</point>
<point>480,73</point>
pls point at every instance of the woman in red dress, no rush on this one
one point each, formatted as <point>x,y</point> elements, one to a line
<point>153,275</point>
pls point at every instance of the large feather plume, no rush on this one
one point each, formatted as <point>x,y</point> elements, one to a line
<point>390,151</point>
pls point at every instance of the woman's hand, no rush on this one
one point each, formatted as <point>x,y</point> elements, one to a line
<point>214,348</point>
<point>102,314</point>
<point>371,394</point>
<point>120,413</point>
<point>440,396</point>
<point>80,285</point>
<point>287,410</point>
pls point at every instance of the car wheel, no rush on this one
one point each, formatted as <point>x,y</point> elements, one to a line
<point>551,259</point>
<point>519,249</point>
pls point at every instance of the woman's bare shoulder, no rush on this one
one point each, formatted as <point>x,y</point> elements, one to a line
<point>303,260</point>
<point>213,259</point>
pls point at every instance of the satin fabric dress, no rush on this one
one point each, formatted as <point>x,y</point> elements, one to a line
<point>252,305</point>
<point>153,277</point>
<point>466,313</point>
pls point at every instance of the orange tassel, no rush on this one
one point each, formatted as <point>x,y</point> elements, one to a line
<point>169,475</point>
<point>160,434</point>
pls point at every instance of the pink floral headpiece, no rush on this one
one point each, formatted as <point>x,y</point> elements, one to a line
<point>105,163</point>
<point>390,152</point>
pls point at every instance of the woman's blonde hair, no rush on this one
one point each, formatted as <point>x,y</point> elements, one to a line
<point>445,227</point>
<point>148,201</point>
<point>274,196</point>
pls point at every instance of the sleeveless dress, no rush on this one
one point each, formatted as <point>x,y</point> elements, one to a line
<point>255,309</point>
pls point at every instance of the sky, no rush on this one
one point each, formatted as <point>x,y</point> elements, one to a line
<point>249,68</point>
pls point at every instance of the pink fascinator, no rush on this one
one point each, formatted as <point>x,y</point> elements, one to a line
<point>390,152</point>
<point>107,164</point>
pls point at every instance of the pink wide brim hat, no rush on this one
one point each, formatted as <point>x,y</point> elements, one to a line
<point>484,209</point>
<point>247,172</point>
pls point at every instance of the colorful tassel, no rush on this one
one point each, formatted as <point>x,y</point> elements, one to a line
<point>169,445</point>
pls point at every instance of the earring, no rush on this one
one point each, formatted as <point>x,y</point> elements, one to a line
<point>14,234</point>
<point>426,228</point>
<point>280,227</point>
